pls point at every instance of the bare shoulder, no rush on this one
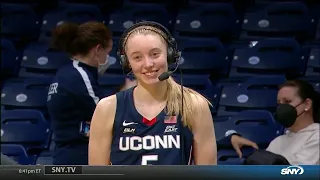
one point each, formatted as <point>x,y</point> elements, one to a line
<point>106,109</point>
<point>108,102</point>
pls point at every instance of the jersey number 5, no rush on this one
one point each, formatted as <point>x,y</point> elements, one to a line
<point>146,159</point>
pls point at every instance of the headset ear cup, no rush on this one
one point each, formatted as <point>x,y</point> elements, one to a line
<point>123,62</point>
<point>170,56</point>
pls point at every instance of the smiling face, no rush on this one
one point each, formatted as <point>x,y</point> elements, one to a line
<point>147,55</point>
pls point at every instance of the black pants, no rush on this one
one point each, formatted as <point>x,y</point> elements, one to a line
<point>76,154</point>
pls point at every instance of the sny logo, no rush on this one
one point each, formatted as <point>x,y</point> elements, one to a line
<point>292,170</point>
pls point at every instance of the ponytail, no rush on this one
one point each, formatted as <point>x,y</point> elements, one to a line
<point>63,37</point>
<point>316,107</point>
<point>174,101</point>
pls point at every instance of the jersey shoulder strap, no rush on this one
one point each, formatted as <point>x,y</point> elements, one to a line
<point>123,98</point>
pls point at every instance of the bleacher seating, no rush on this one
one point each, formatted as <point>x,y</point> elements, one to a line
<point>39,59</point>
<point>15,16</point>
<point>215,19</point>
<point>250,124</point>
<point>203,56</point>
<point>269,56</point>
<point>254,93</point>
<point>19,127</point>
<point>126,17</point>
<point>236,57</point>
<point>68,12</point>
<point>202,84</point>
<point>114,63</point>
<point>9,57</point>
<point>280,19</point>
<point>25,94</point>
<point>313,66</point>
<point>110,83</point>
<point>18,153</point>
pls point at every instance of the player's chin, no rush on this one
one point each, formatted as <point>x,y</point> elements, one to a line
<point>149,81</point>
<point>150,78</point>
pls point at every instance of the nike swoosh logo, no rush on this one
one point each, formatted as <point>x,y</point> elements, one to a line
<point>128,124</point>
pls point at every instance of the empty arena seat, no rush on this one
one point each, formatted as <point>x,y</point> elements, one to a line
<point>29,129</point>
<point>32,3</point>
<point>40,60</point>
<point>45,158</point>
<point>24,96</point>
<point>254,93</point>
<point>124,18</point>
<point>313,67</point>
<point>135,2</point>
<point>203,85</point>
<point>203,56</point>
<point>210,20</point>
<point>16,16</point>
<point>68,12</point>
<point>258,126</point>
<point>230,157</point>
<point>18,153</point>
<point>79,13</point>
<point>31,82</point>
<point>9,56</point>
<point>282,19</point>
<point>318,31</point>
<point>98,3</point>
<point>24,116</point>
<point>110,83</point>
<point>269,56</point>
<point>264,3</point>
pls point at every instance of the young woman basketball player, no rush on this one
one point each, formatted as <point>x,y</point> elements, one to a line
<point>149,124</point>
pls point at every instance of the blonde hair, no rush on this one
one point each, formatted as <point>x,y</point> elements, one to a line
<point>174,94</point>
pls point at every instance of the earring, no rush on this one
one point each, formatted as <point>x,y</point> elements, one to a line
<point>305,109</point>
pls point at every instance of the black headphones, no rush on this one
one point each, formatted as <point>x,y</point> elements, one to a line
<point>173,54</point>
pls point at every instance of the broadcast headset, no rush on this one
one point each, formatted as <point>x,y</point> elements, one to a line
<point>173,57</point>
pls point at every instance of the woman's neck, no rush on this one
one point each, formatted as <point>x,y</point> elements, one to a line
<point>301,123</point>
<point>84,59</point>
<point>151,94</point>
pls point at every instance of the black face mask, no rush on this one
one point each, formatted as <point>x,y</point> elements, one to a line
<point>287,114</point>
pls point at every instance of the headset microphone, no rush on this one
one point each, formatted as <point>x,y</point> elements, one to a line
<point>167,74</point>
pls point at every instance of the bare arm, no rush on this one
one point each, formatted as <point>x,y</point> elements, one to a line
<point>101,131</point>
<point>204,140</point>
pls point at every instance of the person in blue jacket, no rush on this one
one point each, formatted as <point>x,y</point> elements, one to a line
<point>74,92</point>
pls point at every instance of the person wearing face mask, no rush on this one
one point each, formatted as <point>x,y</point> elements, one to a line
<point>74,92</point>
<point>299,112</point>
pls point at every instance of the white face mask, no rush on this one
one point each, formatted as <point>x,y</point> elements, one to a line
<point>103,67</point>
